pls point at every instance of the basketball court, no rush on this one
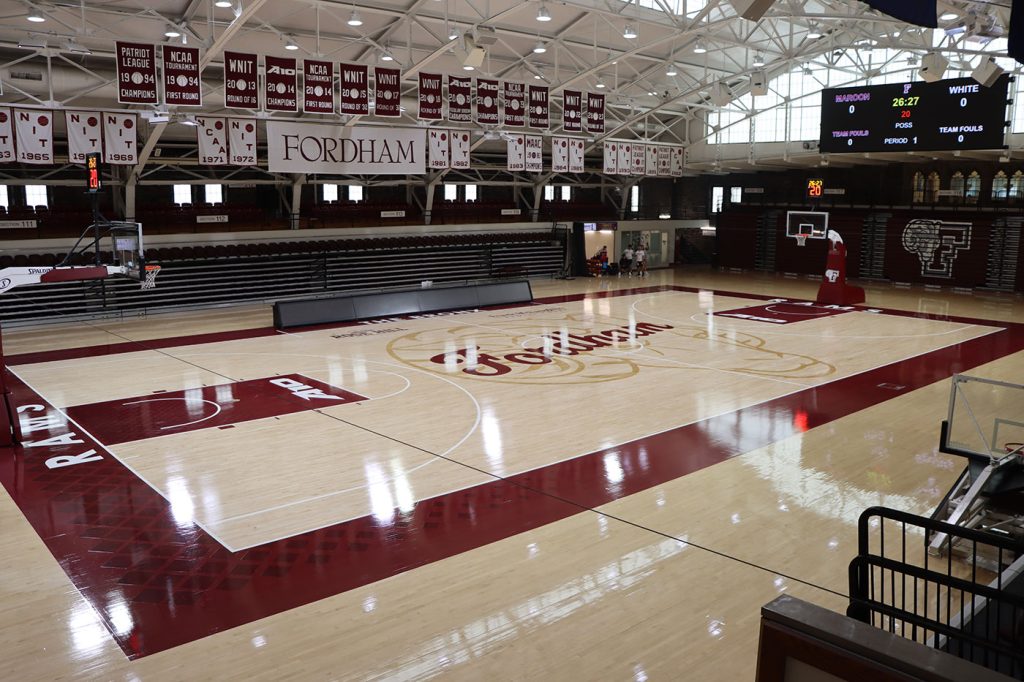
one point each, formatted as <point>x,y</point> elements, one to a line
<point>464,465</point>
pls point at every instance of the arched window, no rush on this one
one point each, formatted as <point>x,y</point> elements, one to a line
<point>918,187</point>
<point>932,192</point>
<point>1000,187</point>
<point>973,187</point>
<point>1017,185</point>
<point>956,187</point>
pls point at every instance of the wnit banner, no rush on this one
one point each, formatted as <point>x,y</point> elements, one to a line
<point>294,147</point>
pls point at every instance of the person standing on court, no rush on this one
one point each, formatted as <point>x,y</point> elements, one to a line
<point>626,262</point>
<point>641,261</point>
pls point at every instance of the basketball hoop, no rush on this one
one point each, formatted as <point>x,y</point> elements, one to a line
<point>149,281</point>
<point>801,239</point>
<point>1013,448</point>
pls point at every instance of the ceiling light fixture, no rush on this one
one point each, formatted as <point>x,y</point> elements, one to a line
<point>453,34</point>
<point>467,67</point>
<point>172,33</point>
<point>354,19</point>
<point>814,34</point>
<point>386,57</point>
<point>35,17</point>
<point>758,60</point>
<point>700,48</point>
<point>630,32</point>
<point>671,70</point>
<point>540,47</point>
<point>949,16</point>
<point>543,14</point>
<point>223,4</point>
<point>74,47</point>
<point>289,44</point>
<point>600,85</point>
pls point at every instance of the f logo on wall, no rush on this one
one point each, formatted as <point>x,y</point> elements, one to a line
<point>937,244</point>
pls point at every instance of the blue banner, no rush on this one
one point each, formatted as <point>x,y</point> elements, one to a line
<point>920,12</point>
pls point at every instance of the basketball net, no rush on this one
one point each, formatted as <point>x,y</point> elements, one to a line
<point>801,239</point>
<point>149,281</point>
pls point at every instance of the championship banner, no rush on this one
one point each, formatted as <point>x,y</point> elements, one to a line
<point>576,155</point>
<point>430,96</point>
<point>34,135</point>
<point>212,137</point>
<point>242,141</point>
<point>486,101</point>
<point>651,167</point>
<point>677,162</point>
<point>120,139</point>
<point>437,146</point>
<point>6,136</point>
<point>136,73</point>
<point>595,113</point>
<point>317,87</point>
<point>282,84</point>
<point>560,155</point>
<point>572,111</point>
<point>460,149</point>
<point>515,104</point>
<point>625,157</point>
<point>299,147</point>
<point>354,84</point>
<point>611,157</point>
<point>84,134</point>
<point>538,107</point>
<point>182,84</point>
<point>534,153</point>
<point>460,91</point>
<point>516,151</point>
<point>638,164</point>
<point>389,92</point>
<point>664,161</point>
<point>241,89</point>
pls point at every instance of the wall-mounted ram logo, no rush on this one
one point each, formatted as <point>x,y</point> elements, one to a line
<point>937,244</point>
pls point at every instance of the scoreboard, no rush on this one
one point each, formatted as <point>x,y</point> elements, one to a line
<point>945,115</point>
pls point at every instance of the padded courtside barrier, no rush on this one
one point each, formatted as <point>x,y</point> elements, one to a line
<point>386,304</point>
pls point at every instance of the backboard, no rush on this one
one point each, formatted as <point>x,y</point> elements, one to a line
<point>127,247</point>
<point>814,224</point>
<point>985,420</point>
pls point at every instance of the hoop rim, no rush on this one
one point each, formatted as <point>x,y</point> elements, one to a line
<point>801,238</point>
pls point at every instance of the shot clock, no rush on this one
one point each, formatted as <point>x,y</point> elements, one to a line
<point>946,115</point>
<point>815,188</point>
<point>92,172</point>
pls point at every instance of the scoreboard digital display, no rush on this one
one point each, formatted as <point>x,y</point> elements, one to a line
<point>944,115</point>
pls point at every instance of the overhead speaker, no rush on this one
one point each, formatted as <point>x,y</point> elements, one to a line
<point>759,83</point>
<point>720,94</point>
<point>469,53</point>
<point>987,72</point>
<point>752,9</point>
<point>933,67</point>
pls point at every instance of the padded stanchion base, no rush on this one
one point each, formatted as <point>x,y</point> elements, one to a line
<point>836,293</point>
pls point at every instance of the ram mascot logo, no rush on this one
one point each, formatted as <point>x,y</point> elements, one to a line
<point>936,244</point>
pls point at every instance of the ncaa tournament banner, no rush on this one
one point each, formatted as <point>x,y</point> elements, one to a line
<point>34,134</point>
<point>639,161</point>
<point>595,113</point>
<point>538,107</point>
<point>240,81</point>
<point>212,136</point>
<point>297,147</point>
<point>677,162</point>
<point>460,91</point>
<point>572,111</point>
<point>560,154</point>
<point>515,104</point>
<point>430,96</point>
<point>576,155</point>
<point>136,73</point>
<point>317,87</point>
<point>460,148</point>
<point>242,141</point>
<point>437,145</point>
<point>6,136</point>
<point>355,89</point>
<point>120,139</point>
<point>486,101</point>
<point>182,85</point>
<point>84,134</point>
<point>388,101</point>
<point>282,80</point>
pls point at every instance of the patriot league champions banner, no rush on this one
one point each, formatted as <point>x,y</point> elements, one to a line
<point>294,147</point>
